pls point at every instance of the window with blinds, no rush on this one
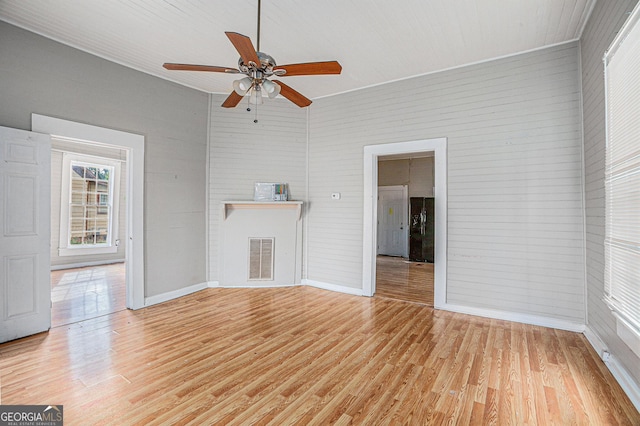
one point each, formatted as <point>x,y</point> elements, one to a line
<point>622,176</point>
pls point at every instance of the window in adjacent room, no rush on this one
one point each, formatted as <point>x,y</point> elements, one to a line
<point>89,207</point>
<point>622,181</point>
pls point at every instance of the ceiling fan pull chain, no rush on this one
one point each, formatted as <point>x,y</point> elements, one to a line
<point>255,120</point>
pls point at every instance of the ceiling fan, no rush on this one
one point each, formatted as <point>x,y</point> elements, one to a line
<point>258,68</point>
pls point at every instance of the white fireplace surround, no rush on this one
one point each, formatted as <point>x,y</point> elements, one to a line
<point>243,221</point>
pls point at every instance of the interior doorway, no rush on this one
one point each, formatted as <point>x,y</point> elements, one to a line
<point>88,208</point>
<point>404,265</point>
<point>372,154</point>
<point>132,147</point>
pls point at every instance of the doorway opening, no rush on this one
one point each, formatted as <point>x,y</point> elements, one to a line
<point>88,208</point>
<point>130,150</point>
<point>404,265</point>
<point>372,154</point>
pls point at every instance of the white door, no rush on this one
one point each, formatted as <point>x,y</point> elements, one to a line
<point>392,220</point>
<point>25,289</point>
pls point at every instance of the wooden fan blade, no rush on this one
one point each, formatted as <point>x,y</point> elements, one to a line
<point>292,95</point>
<point>310,68</point>
<point>232,100</point>
<point>244,47</point>
<point>192,67</point>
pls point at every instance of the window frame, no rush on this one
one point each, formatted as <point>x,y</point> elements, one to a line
<point>111,246</point>
<point>622,167</point>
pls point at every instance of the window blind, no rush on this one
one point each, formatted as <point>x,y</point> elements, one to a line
<point>622,173</point>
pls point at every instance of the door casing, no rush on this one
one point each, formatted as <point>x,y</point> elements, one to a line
<point>133,145</point>
<point>370,212</point>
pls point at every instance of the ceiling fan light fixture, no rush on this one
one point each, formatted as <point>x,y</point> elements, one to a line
<point>272,89</point>
<point>258,67</point>
<point>242,86</point>
<point>255,98</point>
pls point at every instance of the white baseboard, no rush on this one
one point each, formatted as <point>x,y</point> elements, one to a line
<point>255,286</point>
<point>333,287</point>
<point>596,342</point>
<point>85,264</point>
<point>212,284</point>
<point>515,317</point>
<point>170,295</point>
<point>626,380</point>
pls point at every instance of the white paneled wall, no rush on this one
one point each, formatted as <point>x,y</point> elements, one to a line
<point>514,178</point>
<point>606,20</point>
<point>242,152</point>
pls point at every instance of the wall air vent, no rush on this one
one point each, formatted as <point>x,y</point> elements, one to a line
<point>261,259</point>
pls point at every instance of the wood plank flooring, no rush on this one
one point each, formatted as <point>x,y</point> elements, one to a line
<point>79,294</point>
<point>302,355</point>
<point>398,278</point>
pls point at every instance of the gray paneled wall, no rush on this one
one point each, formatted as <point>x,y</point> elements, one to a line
<point>606,20</point>
<point>242,153</point>
<point>41,76</point>
<point>514,178</point>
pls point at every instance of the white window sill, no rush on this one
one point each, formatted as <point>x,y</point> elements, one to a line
<point>628,333</point>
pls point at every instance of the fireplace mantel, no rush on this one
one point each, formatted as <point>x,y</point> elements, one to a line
<point>228,206</point>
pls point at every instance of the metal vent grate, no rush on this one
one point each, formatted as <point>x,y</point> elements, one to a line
<point>261,259</point>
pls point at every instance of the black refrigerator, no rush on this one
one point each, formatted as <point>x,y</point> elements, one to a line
<point>421,229</point>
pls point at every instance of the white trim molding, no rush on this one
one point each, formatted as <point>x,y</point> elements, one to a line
<point>170,295</point>
<point>370,214</point>
<point>516,317</point>
<point>622,376</point>
<point>86,264</point>
<point>627,333</point>
<point>134,146</point>
<point>333,287</point>
<point>256,286</point>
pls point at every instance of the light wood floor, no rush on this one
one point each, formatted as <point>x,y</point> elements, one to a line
<point>302,355</point>
<point>82,293</point>
<point>398,278</point>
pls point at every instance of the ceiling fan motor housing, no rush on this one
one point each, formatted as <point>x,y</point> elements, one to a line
<point>266,64</point>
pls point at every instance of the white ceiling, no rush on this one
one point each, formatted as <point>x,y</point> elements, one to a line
<point>376,41</point>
